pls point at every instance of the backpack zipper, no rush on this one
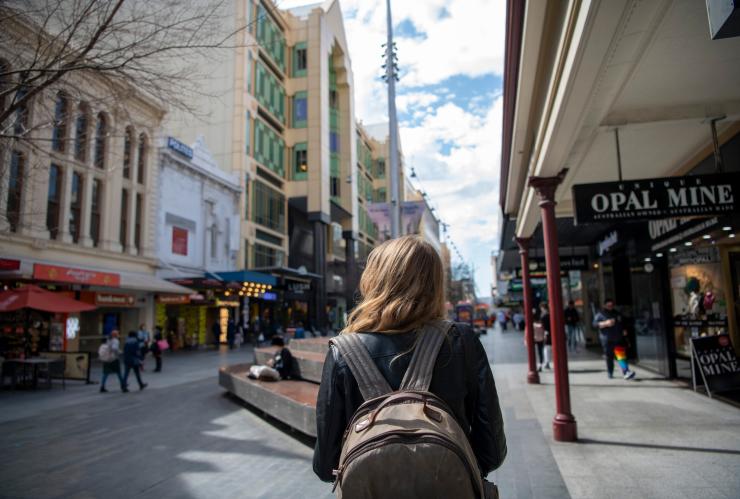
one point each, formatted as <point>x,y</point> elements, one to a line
<point>380,441</point>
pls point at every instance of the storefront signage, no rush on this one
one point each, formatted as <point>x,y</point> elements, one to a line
<point>179,147</point>
<point>174,299</point>
<point>684,229</point>
<point>114,300</point>
<point>56,273</point>
<point>269,296</point>
<point>650,199</point>
<point>179,241</point>
<point>717,363</point>
<point>227,303</point>
<point>8,264</point>
<point>538,266</point>
<point>299,287</point>
<point>610,240</point>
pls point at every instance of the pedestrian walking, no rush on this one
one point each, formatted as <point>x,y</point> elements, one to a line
<point>230,333</point>
<point>613,336</point>
<point>518,320</point>
<point>539,340</point>
<point>216,332</point>
<point>398,340</point>
<point>132,360</point>
<point>572,324</point>
<point>156,349</point>
<point>501,317</point>
<point>144,338</point>
<point>547,344</point>
<point>108,354</point>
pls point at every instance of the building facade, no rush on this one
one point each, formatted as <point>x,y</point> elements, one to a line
<point>78,199</point>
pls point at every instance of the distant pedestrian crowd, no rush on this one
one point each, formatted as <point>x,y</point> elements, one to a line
<point>135,349</point>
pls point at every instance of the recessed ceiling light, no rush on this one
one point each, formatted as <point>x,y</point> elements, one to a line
<point>673,250</point>
<point>659,255</point>
<point>647,259</point>
<point>727,228</point>
<point>706,236</point>
<point>732,235</point>
<point>688,243</point>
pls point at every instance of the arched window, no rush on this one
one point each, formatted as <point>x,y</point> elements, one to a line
<point>61,112</point>
<point>101,133</point>
<point>4,80</point>
<point>141,167</point>
<point>82,125</point>
<point>128,151</point>
<point>15,189</point>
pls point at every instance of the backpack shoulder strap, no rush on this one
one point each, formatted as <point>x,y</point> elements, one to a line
<point>370,380</point>
<point>418,376</point>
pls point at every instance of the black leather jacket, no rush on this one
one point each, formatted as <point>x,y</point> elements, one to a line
<point>462,378</point>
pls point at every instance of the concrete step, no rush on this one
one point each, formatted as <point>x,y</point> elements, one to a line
<point>310,364</point>
<point>289,401</point>
<point>317,345</point>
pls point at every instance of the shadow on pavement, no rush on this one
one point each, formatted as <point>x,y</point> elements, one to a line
<point>658,446</point>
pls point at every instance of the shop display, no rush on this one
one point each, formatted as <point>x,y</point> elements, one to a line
<point>699,304</point>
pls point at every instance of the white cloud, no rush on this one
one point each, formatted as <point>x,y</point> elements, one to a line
<point>411,101</point>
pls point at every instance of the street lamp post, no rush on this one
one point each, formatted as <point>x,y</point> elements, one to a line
<point>390,78</point>
<point>564,424</point>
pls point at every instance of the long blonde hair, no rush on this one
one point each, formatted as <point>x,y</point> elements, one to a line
<point>402,288</point>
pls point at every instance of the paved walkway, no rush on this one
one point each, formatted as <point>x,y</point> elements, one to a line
<point>182,437</point>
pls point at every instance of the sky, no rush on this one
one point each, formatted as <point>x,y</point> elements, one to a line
<point>449,101</point>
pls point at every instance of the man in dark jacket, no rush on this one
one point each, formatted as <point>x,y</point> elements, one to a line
<point>612,334</point>
<point>132,360</point>
<point>472,397</point>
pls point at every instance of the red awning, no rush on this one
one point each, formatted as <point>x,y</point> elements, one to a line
<point>34,297</point>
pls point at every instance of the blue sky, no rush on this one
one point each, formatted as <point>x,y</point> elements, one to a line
<point>449,105</point>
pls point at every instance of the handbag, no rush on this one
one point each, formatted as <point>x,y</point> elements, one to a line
<point>163,345</point>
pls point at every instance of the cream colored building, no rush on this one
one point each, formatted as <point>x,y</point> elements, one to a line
<point>78,197</point>
<point>277,110</point>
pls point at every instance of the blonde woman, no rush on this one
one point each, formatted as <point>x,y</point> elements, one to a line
<point>402,289</point>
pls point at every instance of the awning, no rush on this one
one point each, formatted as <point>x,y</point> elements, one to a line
<point>248,276</point>
<point>144,282</point>
<point>30,296</point>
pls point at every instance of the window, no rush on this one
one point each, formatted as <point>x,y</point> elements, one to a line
<point>380,195</point>
<point>333,99</point>
<point>128,152</point>
<point>300,161</point>
<point>123,228</point>
<point>95,207</point>
<point>334,187</point>
<point>137,222</point>
<point>214,241</point>
<point>179,241</point>
<point>269,148</point>
<point>300,109</point>
<point>269,207</point>
<point>269,91</point>
<point>270,37</point>
<point>81,133</point>
<point>300,60</point>
<point>59,133</point>
<point>101,131</point>
<point>334,142</point>
<point>21,114</point>
<point>247,125</point>
<point>141,168</point>
<point>380,168</point>
<point>75,206</point>
<point>52,201</point>
<point>265,256</point>
<point>15,189</point>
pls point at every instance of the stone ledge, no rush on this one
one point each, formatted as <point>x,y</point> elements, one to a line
<point>289,401</point>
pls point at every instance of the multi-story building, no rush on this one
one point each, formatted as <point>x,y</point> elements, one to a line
<point>277,110</point>
<point>78,189</point>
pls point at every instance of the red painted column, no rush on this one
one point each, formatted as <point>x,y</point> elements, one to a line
<point>564,424</point>
<point>523,242</point>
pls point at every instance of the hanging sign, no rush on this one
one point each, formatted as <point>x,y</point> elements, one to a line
<point>717,363</point>
<point>651,199</point>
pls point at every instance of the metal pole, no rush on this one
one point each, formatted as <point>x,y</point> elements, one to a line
<point>619,153</point>
<point>390,73</point>
<point>523,243</point>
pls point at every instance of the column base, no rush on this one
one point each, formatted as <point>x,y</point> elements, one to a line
<point>533,378</point>
<point>564,428</point>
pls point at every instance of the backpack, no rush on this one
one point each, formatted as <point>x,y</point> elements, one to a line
<point>405,443</point>
<point>105,354</point>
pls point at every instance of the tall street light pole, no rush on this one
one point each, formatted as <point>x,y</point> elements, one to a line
<point>390,78</point>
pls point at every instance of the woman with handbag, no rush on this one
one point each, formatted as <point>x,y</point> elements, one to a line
<point>547,344</point>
